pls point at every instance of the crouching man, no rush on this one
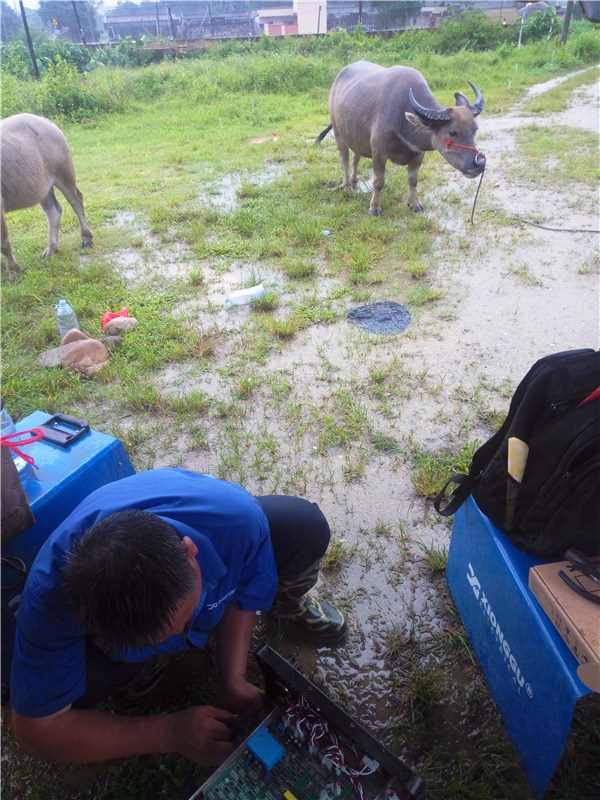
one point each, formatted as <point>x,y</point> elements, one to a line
<point>145,567</point>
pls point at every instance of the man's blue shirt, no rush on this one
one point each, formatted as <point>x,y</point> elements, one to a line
<point>236,561</point>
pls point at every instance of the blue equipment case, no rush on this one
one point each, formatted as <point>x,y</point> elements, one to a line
<point>531,672</point>
<point>66,475</point>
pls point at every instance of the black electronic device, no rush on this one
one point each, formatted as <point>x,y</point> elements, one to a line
<point>308,748</point>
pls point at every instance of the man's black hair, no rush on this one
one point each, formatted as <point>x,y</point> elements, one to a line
<point>125,578</point>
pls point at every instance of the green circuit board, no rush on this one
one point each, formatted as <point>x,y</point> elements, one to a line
<point>297,772</point>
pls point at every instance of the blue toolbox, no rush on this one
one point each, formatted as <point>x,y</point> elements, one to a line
<point>530,670</point>
<point>72,462</point>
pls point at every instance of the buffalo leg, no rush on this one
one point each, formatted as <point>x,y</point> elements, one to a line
<point>75,200</point>
<point>354,177</point>
<point>378,184</point>
<point>345,159</point>
<point>53,213</point>
<point>14,270</point>
<point>413,173</point>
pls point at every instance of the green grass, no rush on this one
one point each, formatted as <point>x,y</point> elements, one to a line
<point>579,160</point>
<point>431,469</point>
<point>557,99</point>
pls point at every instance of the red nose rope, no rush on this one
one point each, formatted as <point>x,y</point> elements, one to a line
<point>14,442</point>
<point>449,144</point>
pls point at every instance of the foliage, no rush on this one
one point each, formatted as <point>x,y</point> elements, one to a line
<point>10,24</point>
<point>301,62</point>
<point>394,13</point>
<point>63,92</point>
<point>64,14</point>
<point>540,26</point>
<point>273,65</point>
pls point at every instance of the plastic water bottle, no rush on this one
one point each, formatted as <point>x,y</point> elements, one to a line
<point>7,427</point>
<point>65,317</point>
<point>242,296</point>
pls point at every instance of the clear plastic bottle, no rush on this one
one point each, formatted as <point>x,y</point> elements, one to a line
<point>65,317</point>
<point>7,426</point>
<point>242,296</point>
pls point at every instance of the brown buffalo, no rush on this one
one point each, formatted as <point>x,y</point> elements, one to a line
<point>390,114</point>
<point>35,159</point>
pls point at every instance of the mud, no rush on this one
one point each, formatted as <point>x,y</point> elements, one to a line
<point>223,193</point>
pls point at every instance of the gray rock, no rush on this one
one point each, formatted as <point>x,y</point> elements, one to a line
<point>52,358</point>
<point>120,325</point>
<point>86,357</point>
<point>112,342</point>
<point>74,335</point>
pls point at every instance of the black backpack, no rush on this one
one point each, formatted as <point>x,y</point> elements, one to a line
<point>557,503</point>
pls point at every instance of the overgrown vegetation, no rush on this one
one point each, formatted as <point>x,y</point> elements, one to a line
<point>287,64</point>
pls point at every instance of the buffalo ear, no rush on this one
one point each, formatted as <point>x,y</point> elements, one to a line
<point>418,122</point>
<point>461,100</point>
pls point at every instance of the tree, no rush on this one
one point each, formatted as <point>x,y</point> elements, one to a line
<point>394,14</point>
<point>11,24</point>
<point>64,15</point>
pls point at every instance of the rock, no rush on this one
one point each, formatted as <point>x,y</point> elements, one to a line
<point>120,325</point>
<point>86,357</point>
<point>52,358</point>
<point>112,341</point>
<point>74,335</point>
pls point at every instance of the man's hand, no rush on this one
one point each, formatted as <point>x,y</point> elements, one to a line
<point>240,696</point>
<point>203,735</point>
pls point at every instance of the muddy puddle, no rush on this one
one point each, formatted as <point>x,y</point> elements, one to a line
<point>222,194</point>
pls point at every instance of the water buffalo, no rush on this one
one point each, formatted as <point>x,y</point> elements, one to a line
<point>390,113</point>
<point>35,159</point>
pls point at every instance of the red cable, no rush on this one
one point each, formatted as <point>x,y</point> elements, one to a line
<point>6,441</point>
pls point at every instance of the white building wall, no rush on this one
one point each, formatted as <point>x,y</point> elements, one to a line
<point>309,20</point>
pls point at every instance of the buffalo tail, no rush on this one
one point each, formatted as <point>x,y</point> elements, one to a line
<point>323,134</point>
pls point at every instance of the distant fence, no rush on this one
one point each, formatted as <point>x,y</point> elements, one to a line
<point>186,45</point>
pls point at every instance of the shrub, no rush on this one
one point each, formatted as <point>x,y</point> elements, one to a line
<point>18,96</point>
<point>16,59</point>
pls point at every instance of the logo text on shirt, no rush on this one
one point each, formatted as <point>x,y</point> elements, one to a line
<point>224,599</point>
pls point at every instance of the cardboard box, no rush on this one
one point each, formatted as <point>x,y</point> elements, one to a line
<point>576,618</point>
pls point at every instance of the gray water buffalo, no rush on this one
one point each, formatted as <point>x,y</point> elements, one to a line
<point>390,114</point>
<point>36,158</point>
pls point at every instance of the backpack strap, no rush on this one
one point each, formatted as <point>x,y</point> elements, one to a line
<point>464,487</point>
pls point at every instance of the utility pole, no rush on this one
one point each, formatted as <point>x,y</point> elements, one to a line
<point>566,22</point>
<point>29,42</point>
<point>92,31</point>
<point>79,23</point>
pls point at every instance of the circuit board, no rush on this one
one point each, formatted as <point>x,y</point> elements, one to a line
<point>308,748</point>
<point>303,778</point>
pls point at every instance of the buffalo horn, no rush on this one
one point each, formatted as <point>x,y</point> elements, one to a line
<point>479,103</point>
<point>435,114</point>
